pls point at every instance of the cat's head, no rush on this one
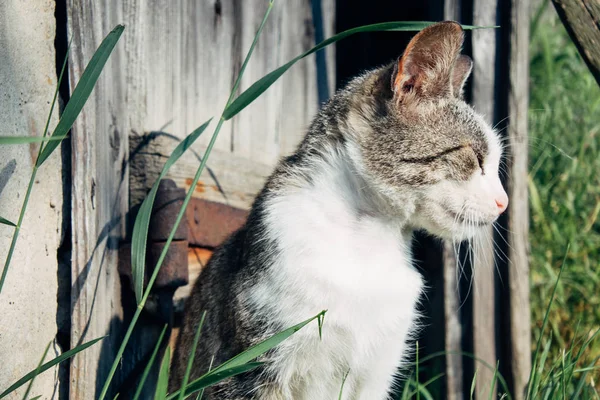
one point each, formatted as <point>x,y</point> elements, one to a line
<point>421,145</point>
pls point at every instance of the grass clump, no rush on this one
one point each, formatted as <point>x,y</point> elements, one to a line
<point>564,184</point>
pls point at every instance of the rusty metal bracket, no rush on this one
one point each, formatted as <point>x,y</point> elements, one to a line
<point>173,272</point>
<point>210,223</point>
<point>205,226</point>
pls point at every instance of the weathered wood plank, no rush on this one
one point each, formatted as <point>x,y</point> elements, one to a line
<point>271,127</point>
<point>99,199</point>
<point>518,209</point>
<point>452,324</point>
<point>582,20</point>
<point>228,179</point>
<point>484,81</point>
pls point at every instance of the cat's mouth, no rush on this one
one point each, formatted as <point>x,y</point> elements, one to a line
<point>461,218</point>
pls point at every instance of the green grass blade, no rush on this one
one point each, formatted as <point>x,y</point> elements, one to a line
<point>261,85</point>
<point>82,91</point>
<point>264,346</point>
<point>582,378</point>
<point>247,59</point>
<point>36,397</point>
<point>535,382</point>
<point>472,393</point>
<point>36,372</point>
<point>493,383</point>
<point>64,356</point>
<point>585,345</point>
<point>214,377</point>
<point>201,392</point>
<point>180,215</point>
<point>27,139</point>
<point>423,386</point>
<point>162,385</point>
<point>6,222</point>
<point>417,373</point>
<point>544,324</point>
<point>245,358</point>
<point>142,221</point>
<point>475,358</point>
<point>52,144</point>
<point>343,382</point>
<point>188,369</point>
<point>421,390</point>
<point>148,367</point>
<point>406,391</point>
<point>9,140</point>
<point>55,97</point>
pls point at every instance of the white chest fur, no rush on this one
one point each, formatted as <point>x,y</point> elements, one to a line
<point>358,268</point>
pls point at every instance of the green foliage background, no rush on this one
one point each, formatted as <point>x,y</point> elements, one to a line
<point>564,183</point>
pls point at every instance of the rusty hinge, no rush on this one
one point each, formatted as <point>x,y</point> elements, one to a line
<point>206,225</point>
<point>174,270</point>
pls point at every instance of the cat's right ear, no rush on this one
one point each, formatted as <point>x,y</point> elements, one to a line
<point>460,74</point>
<point>425,70</point>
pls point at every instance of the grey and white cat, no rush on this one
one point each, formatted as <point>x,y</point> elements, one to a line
<point>397,150</point>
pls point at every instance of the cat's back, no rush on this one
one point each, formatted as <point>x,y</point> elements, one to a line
<point>214,292</point>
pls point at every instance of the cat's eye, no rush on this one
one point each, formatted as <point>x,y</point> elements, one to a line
<point>480,162</point>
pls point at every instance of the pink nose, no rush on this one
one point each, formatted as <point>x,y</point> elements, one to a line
<point>502,203</point>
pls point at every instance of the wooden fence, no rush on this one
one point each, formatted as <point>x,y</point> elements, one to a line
<point>173,70</point>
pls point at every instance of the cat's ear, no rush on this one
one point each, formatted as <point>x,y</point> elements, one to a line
<point>460,74</point>
<point>425,70</point>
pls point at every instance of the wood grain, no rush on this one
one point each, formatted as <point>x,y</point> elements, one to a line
<point>518,209</point>
<point>484,81</point>
<point>582,20</point>
<point>453,329</point>
<point>99,200</point>
<point>452,326</point>
<point>228,178</point>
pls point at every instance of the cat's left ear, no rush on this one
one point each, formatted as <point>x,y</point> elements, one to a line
<point>426,69</point>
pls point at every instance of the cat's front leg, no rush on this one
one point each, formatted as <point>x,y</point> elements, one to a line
<point>377,377</point>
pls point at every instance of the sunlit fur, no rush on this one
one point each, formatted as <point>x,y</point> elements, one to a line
<point>397,151</point>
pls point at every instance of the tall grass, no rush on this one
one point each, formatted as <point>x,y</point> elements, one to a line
<point>564,184</point>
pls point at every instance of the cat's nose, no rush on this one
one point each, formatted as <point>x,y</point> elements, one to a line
<point>502,202</point>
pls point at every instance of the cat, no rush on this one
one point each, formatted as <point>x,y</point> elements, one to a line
<point>397,150</point>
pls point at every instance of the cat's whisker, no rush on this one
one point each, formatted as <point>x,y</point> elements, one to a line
<point>501,121</point>
<point>499,226</point>
<point>503,238</point>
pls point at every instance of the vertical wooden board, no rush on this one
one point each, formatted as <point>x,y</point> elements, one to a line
<point>484,326</point>
<point>452,326</point>
<point>275,123</point>
<point>518,208</point>
<point>185,58</point>
<point>99,198</point>
<point>189,56</point>
<point>328,7</point>
<point>453,329</point>
<point>300,87</point>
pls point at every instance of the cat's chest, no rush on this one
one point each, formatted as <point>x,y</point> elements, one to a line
<point>358,268</point>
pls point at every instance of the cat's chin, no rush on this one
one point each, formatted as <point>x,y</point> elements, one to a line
<point>455,232</point>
